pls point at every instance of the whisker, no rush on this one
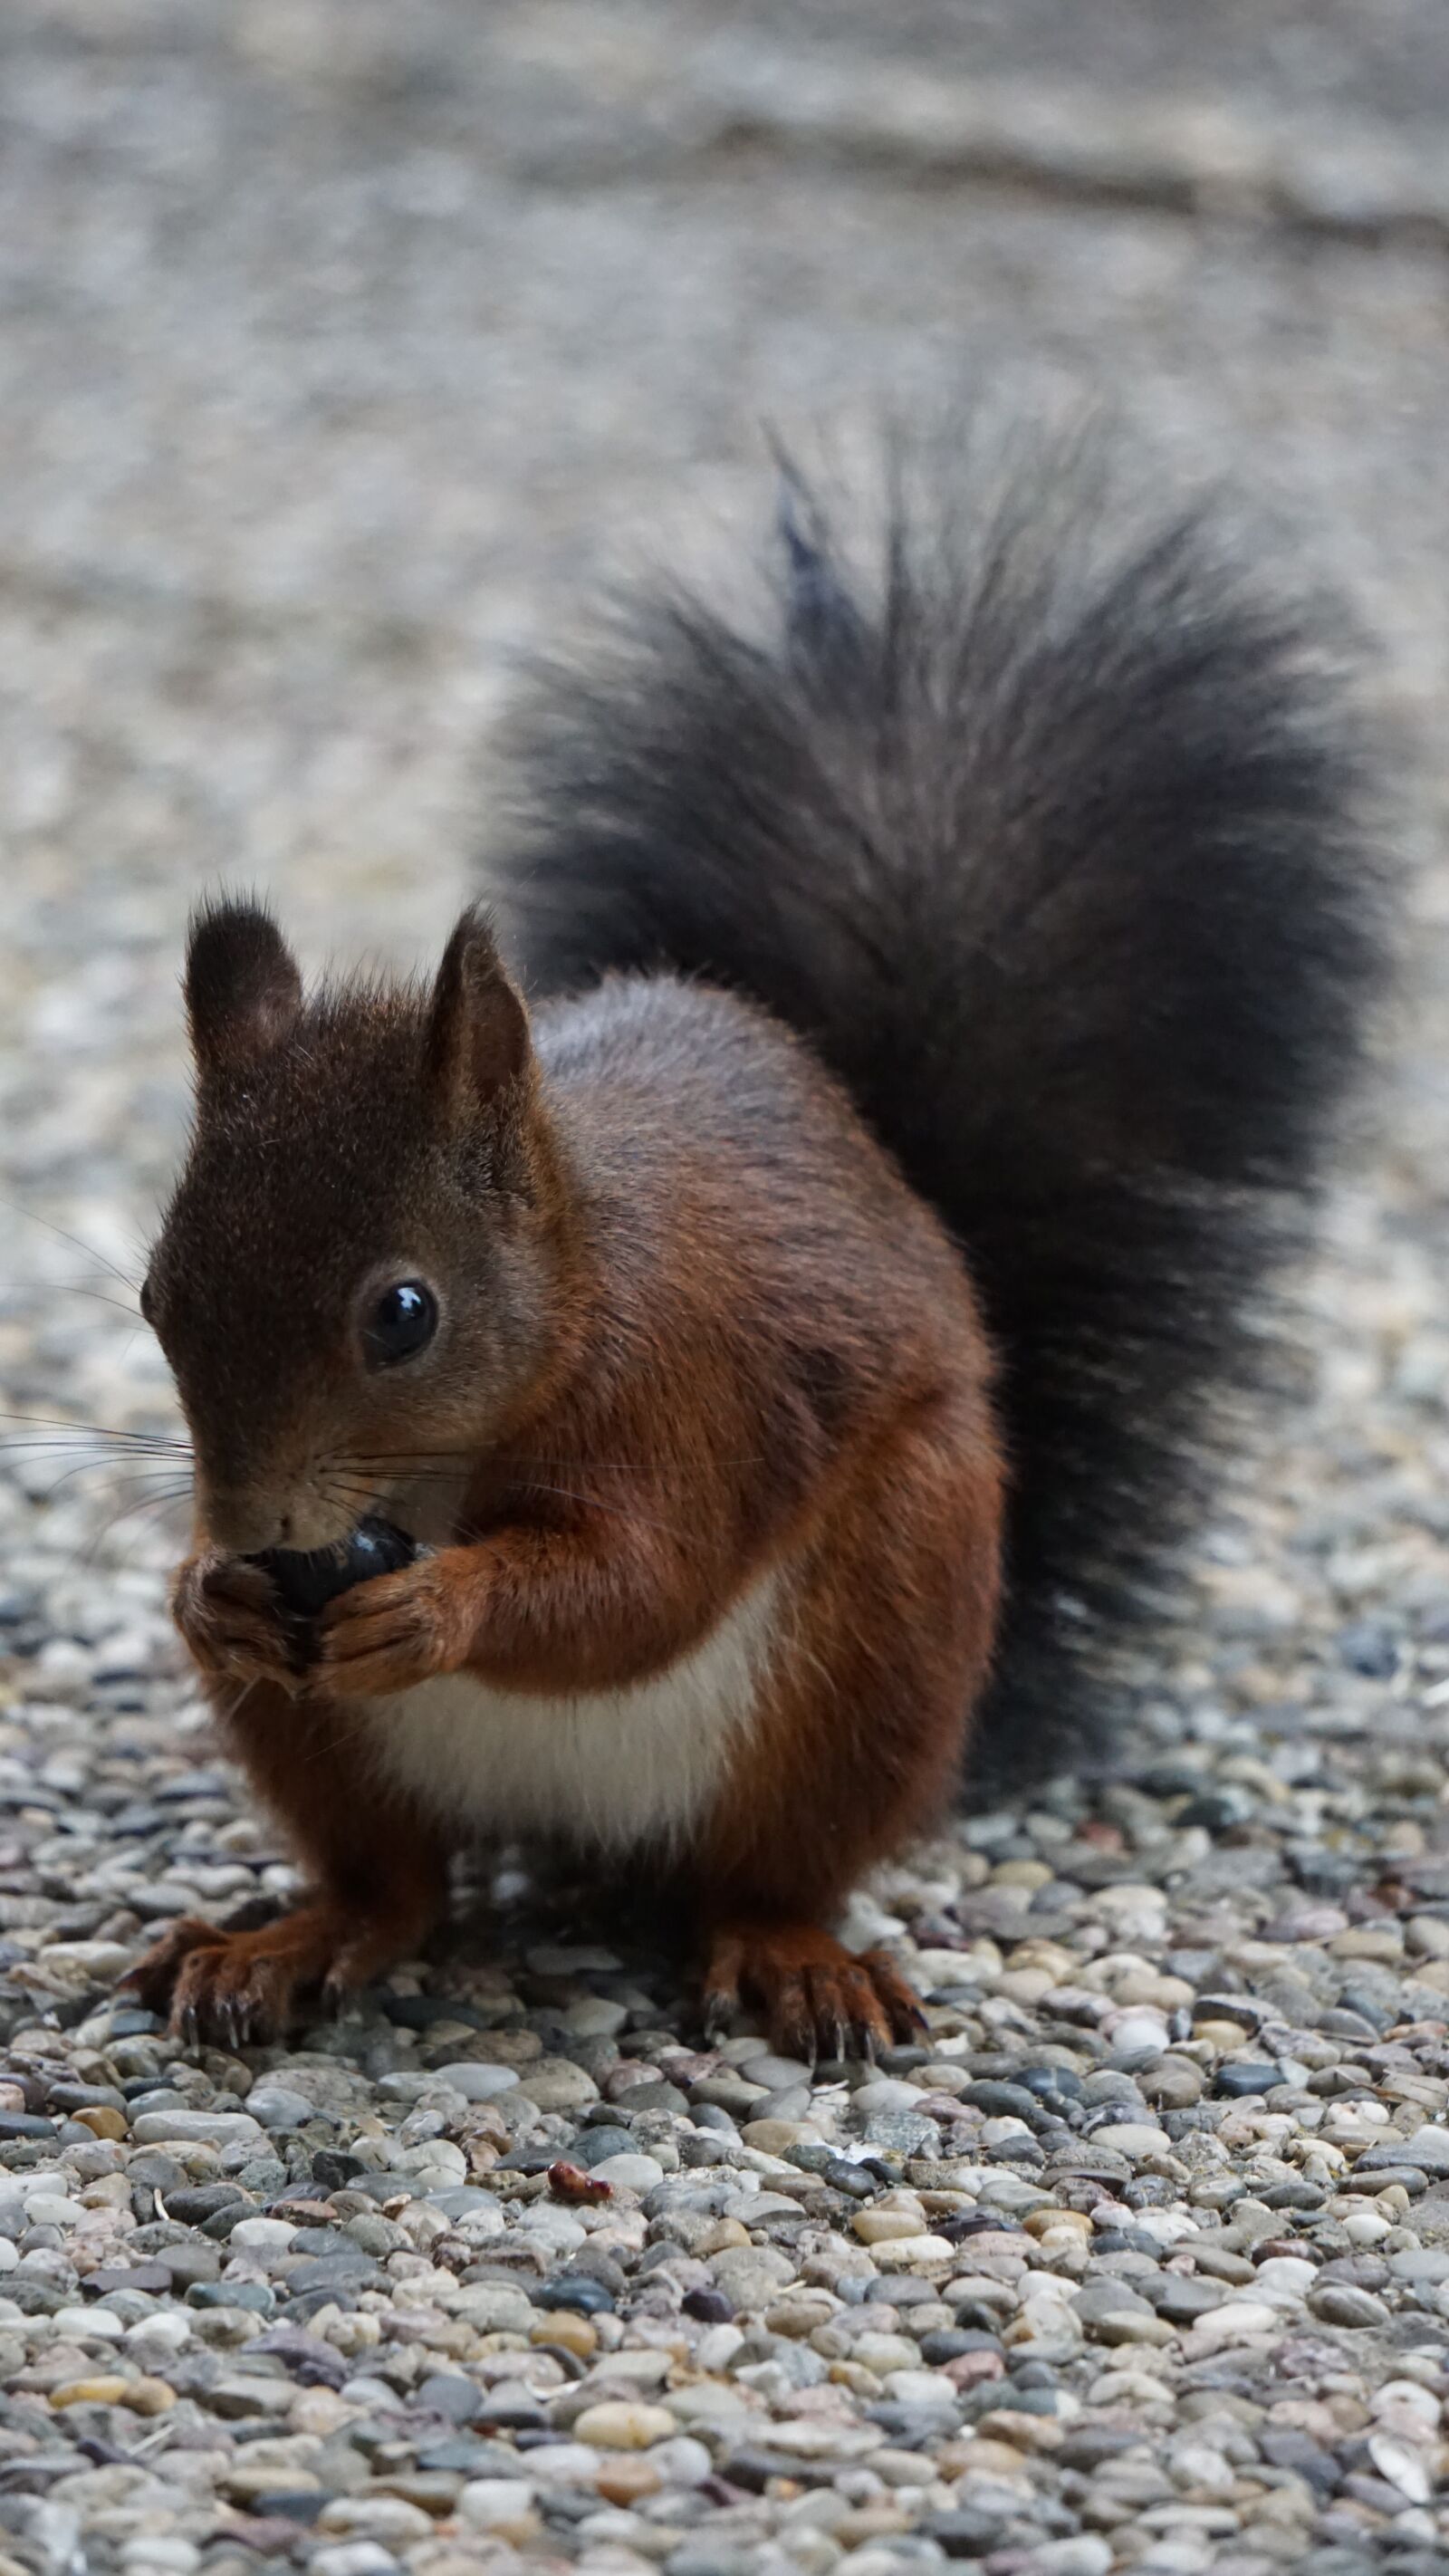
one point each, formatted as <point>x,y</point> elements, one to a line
<point>404,1457</point>
<point>530,1483</point>
<point>148,1503</point>
<point>74,1240</point>
<point>95,1430</point>
<point>164,1478</point>
<point>175,1493</point>
<point>453,1459</point>
<point>372,1471</point>
<point>51,1447</point>
<point>349,1488</point>
<point>67,1288</point>
<point>88,1466</point>
<point>351,1498</point>
<point>616,1511</point>
<point>416,1460</point>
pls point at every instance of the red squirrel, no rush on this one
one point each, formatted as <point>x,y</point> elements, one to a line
<point>790,1288</point>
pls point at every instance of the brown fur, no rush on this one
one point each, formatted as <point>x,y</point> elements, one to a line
<point>695,1326</point>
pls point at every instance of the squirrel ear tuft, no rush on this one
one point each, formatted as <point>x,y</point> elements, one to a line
<point>478,1040</point>
<point>243,990</point>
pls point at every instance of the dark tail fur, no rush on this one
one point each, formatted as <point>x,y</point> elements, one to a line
<point>1049,834</point>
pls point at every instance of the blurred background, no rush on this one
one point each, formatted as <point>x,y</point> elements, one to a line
<point>341,342</point>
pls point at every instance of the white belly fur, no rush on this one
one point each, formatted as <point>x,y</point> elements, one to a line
<point>607,1769</point>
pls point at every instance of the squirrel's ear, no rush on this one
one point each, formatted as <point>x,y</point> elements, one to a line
<point>478,1037</point>
<point>243,991</point>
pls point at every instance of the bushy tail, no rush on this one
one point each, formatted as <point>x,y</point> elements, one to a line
<point>1048,832</point>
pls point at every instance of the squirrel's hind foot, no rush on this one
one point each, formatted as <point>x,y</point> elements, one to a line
<point>820,1999</point>
<point>235,1989</point>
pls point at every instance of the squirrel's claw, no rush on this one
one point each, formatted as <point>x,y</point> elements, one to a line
<point>236,1989</point>
<point>820,2001</point>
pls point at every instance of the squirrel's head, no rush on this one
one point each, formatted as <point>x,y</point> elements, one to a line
<point>356,1279</point>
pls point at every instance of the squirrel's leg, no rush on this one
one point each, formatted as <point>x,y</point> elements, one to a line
<point>378,1877</point>
<point>860,1728</point>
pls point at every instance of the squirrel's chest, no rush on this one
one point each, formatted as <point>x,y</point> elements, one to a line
<point>608,1768</point>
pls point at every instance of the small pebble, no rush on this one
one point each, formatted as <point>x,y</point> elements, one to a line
<point>494,2504</point>
<point>478,2082</point>
<point>619,2427</point>
<point>629,2172</point>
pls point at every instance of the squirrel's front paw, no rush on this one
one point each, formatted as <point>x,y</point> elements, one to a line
<point>233,1620</point>
<point>391,1633</point>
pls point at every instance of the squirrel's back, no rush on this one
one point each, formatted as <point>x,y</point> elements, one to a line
<point>731,1198</point>
<point>1048,834</point>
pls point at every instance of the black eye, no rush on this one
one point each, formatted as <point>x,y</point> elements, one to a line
<point>402,1323</point>
<point>146,1302</point>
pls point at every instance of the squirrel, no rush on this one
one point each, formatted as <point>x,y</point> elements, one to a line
<point>791,1290</point>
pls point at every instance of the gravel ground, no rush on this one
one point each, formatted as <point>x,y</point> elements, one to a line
<point>338,345</point>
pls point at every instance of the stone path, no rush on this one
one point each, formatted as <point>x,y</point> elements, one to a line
<point>339,348</point>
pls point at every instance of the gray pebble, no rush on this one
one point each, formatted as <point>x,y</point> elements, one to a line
<point>210,2128</point>
<point>593,2145</point>
<point>1338,2303</point>
<point>476,2080</point>
<point>277,2107</point>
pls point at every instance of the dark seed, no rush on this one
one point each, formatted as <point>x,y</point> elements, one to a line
<point>307,1582</point>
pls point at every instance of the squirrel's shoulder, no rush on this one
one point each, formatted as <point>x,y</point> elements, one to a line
<point>707,1061</point>
<point>688,1109</point>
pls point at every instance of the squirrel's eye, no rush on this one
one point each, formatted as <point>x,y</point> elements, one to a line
<point>401,1323</point>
